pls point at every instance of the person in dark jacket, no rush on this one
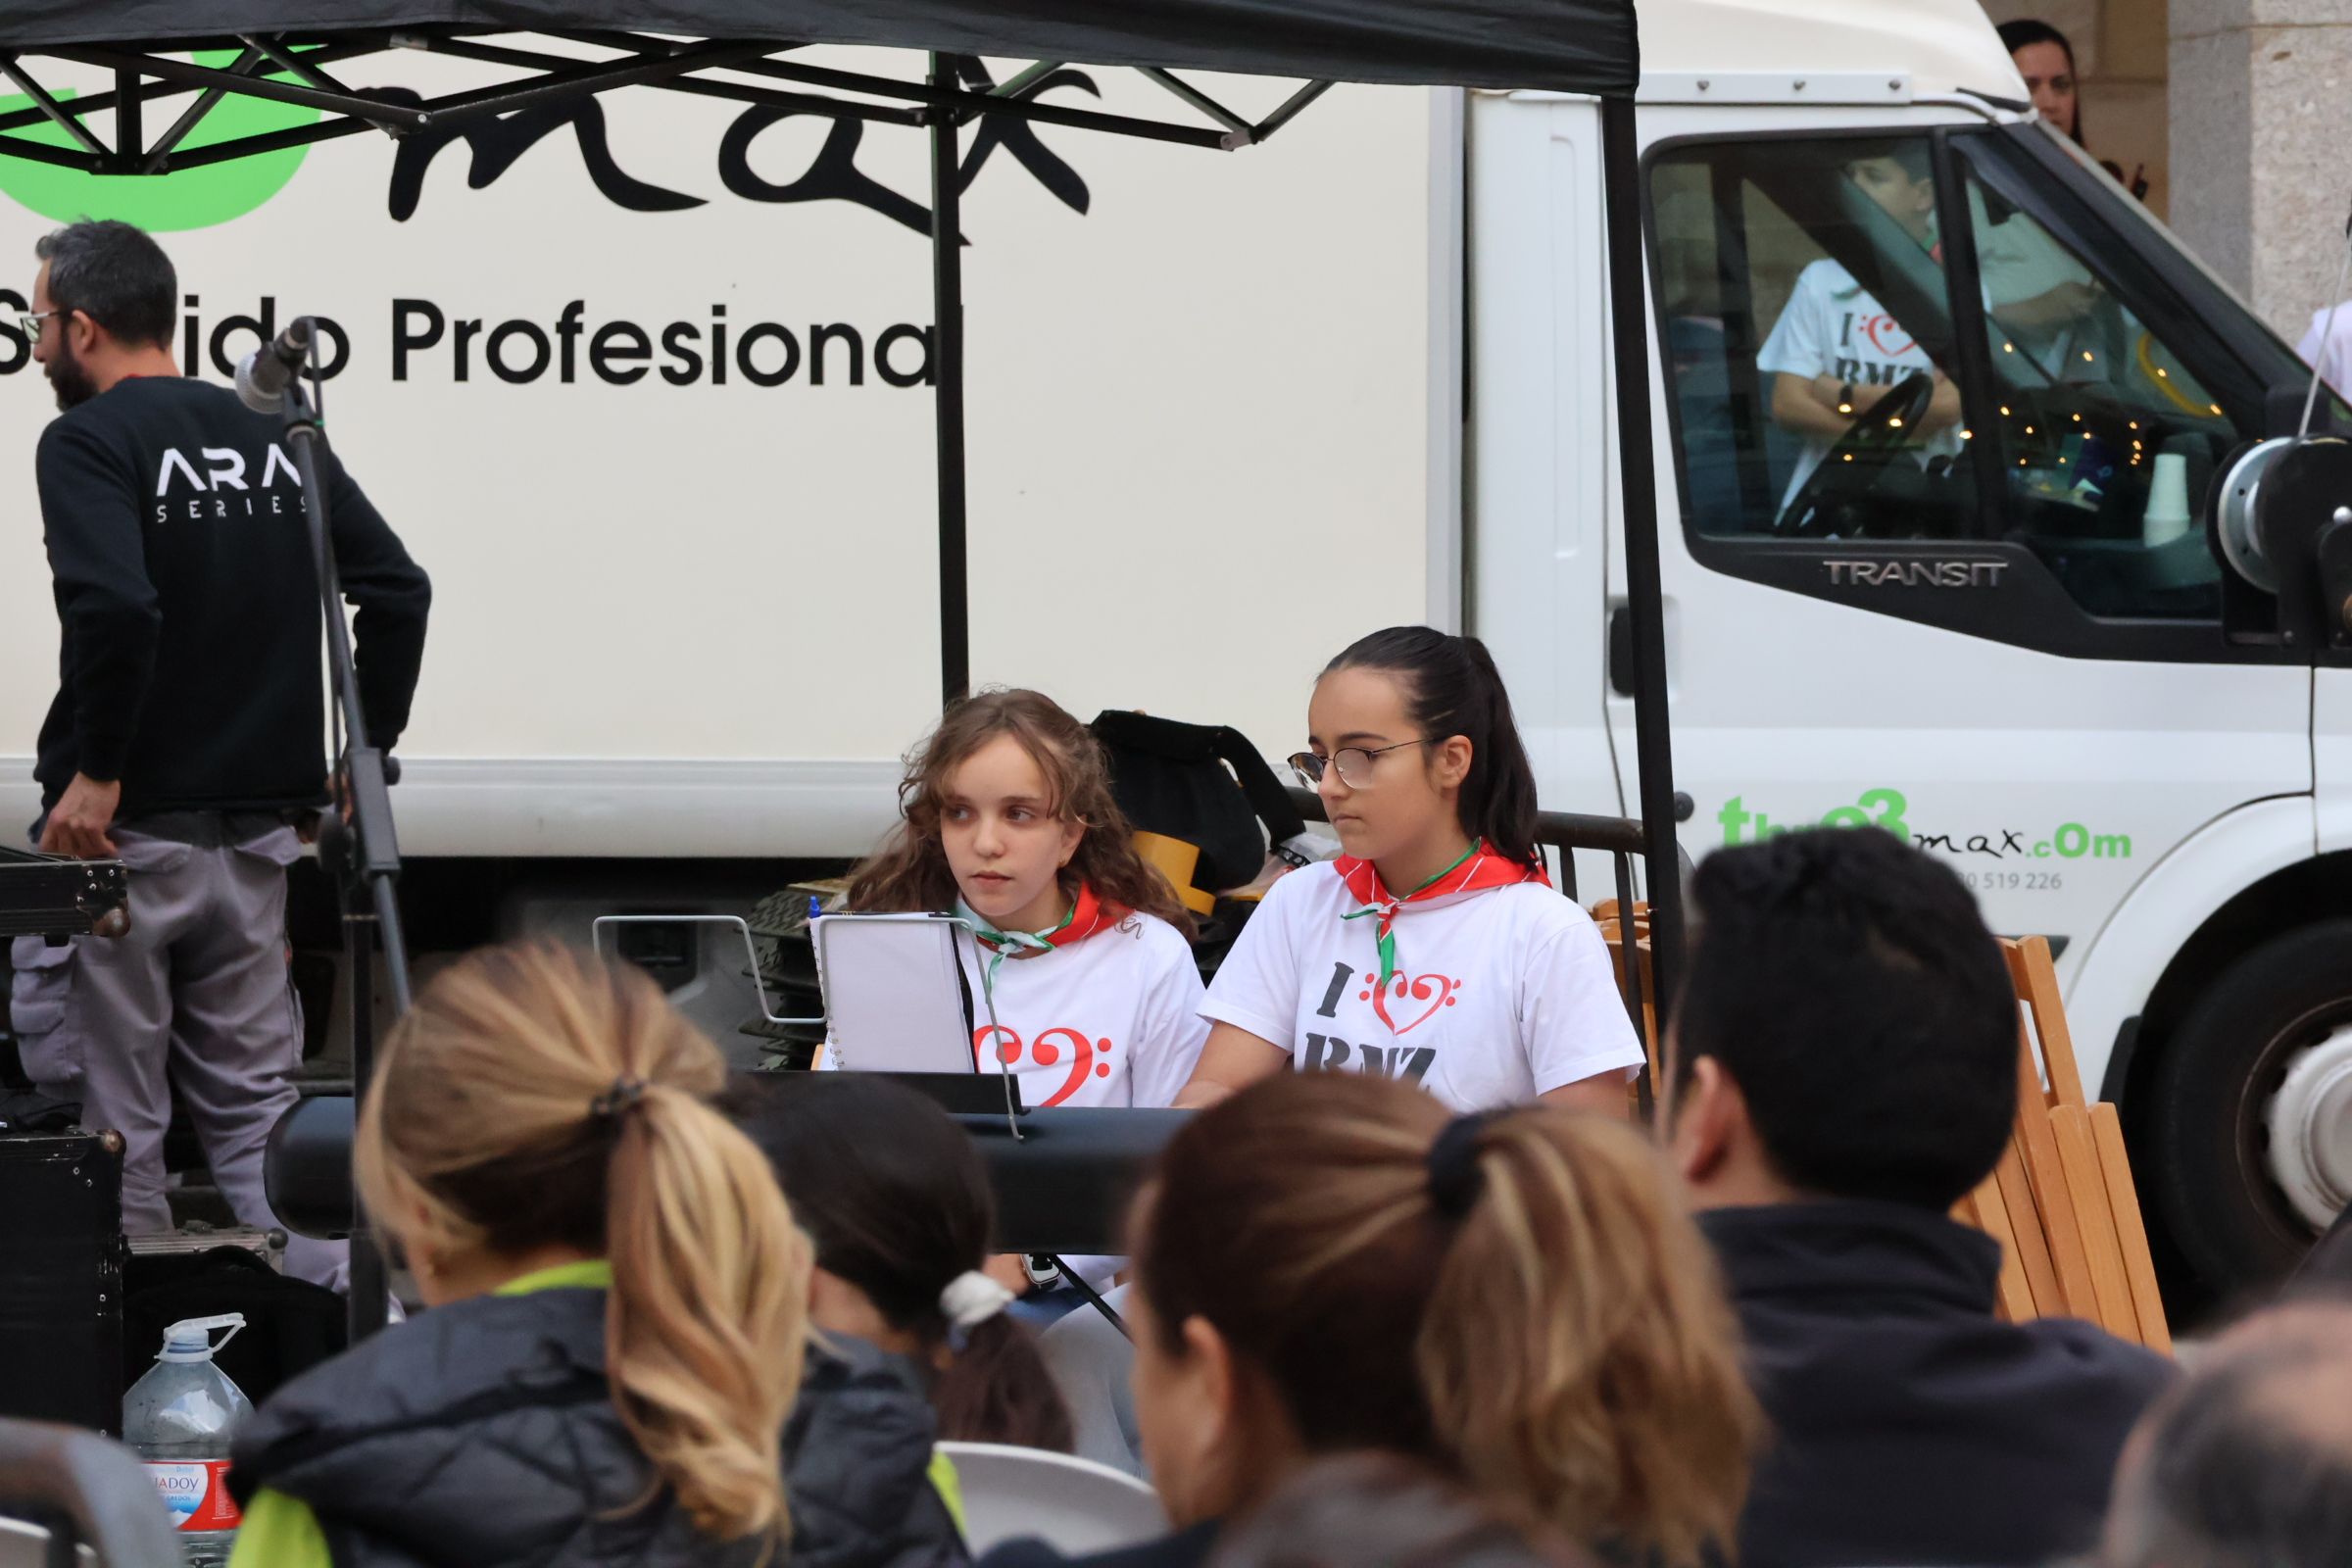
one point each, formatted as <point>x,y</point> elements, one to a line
<point>617,1297</point>
<point>1843,1069</point>
<point>186,735</point>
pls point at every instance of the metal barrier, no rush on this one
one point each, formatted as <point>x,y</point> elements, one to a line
<point>1621,839</point>
<point>89,1492</point>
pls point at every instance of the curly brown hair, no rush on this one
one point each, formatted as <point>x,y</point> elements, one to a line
<point>910,872</point>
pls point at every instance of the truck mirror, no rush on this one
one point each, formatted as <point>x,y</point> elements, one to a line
<point>2284,521</point>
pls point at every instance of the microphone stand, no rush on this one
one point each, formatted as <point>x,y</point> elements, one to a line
<point>357,844</point>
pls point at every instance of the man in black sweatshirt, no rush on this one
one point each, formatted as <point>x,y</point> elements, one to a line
<point>1843,1069</point>
<point>188,734</point>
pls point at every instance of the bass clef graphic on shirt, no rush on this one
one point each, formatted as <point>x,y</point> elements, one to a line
<point>1088,1056</point>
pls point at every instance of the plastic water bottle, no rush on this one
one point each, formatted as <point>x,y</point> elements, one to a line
<point>180,1417</point>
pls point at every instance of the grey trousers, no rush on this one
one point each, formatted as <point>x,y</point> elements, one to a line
<point>198,999</point>
<point>1091,1363</point>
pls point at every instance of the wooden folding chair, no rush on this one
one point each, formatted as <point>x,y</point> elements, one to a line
<point>2065,1190</point>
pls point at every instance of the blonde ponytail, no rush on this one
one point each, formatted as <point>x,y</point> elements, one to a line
<point>534,1096</point>
<point>1577,1347</point>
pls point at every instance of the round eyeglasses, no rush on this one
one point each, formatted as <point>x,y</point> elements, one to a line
<point>1353,763</point>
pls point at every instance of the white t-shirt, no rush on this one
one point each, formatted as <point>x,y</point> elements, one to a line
<point>1499,996</point>
<point>1832,326</point>
<point>1112,1020</point>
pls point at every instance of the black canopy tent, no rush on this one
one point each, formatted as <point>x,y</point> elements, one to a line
<point>299,51</point>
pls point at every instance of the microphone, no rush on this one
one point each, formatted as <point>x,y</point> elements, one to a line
<point>263,374</point>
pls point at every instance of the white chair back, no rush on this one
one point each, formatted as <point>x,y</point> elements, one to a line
<point>24,1545</point>
<point>1074,1506</point>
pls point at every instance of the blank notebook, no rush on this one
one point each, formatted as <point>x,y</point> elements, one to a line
<point>894,993</point>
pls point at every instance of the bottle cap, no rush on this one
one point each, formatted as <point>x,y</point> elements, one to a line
<point>191,1339</point>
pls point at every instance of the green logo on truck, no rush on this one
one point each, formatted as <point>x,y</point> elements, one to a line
<point>1890,809</point>
<point>192,198</point>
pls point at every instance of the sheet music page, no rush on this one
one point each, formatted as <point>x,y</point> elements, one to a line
<point>894,996</point>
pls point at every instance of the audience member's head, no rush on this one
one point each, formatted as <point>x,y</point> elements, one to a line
<point>1379,1510</point>
<point>1327,1263</point>
<point>536,1106</point>
<point>894,1195</point>
<point>1847,1027</point>
<point>2247,1462</point>
<point>2045,58</point>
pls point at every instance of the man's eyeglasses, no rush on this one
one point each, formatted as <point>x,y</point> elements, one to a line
<point>29,321</point>
<point>1353,763</point>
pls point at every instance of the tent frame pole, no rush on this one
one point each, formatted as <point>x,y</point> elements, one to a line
<point>947,369</point>
<point>1629,321</point>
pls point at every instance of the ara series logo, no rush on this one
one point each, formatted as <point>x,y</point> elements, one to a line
<point>199,198</point>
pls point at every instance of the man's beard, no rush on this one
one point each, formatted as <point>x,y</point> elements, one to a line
<point>71,382</point>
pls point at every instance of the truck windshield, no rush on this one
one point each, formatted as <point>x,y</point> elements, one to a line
<point>1822,388</point>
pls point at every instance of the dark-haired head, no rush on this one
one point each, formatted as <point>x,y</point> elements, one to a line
<point>2247,1461</point>
<point>895,1197</point>
<point>1846,1025</point>
<point>2045,58</point>
<point>104,290</point>
<point>1320,1269</point>
<point>1438,702</point>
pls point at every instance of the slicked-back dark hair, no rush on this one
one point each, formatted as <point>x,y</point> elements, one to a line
<point>1451,687</point>
<point>2027,32</point>
<point>116,274</point>
<point>1846,983</point>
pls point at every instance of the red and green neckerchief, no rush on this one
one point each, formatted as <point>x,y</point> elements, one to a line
<point>1475,870</point>
<point>1088,915</point>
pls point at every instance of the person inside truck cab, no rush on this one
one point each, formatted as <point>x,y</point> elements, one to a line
<point>1835,351</point>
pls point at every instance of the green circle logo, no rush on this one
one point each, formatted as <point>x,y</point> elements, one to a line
<point>192,198</point>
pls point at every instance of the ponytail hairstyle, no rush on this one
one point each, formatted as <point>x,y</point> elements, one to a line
<point>1451,687</point>
<point>1515,1299</point>
<point>911,872</point>
<point>536,1096</point>
<point>895,1197</point>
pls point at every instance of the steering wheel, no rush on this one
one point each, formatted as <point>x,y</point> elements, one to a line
<point>1884,430</point>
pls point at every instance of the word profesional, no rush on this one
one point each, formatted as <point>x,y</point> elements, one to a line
<point>622,353</point>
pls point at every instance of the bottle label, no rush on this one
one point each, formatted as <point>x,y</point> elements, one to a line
<point>197,1493</point>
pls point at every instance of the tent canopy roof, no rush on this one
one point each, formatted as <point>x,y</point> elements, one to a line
<point>1566,45</point>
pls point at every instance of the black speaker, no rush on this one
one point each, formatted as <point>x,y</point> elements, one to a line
<point>60,1281</point>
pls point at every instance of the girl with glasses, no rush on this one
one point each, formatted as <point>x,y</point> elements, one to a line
<point>1435,951</point>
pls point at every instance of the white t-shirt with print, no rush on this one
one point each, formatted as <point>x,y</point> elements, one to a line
<point>1112,1020</point>
<point>1832,326</point>
<point>1499,996</point>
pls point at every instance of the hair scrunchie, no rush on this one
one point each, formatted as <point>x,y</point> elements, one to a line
<point>971,1299</point>
<point>1456,1181</point>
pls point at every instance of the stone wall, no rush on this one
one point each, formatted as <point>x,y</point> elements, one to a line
<point>2262,146</point>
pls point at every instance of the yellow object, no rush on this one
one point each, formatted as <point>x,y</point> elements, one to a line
<point>949,1486</point>
<point>281,1532</point>
<point>1176,859</point>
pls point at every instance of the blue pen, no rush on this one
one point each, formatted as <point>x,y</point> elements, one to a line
<point>816,906</point>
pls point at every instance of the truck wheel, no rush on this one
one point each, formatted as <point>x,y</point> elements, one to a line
<point>2250,1146</point>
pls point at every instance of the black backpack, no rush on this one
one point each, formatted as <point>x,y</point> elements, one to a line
<point>1202,783</point>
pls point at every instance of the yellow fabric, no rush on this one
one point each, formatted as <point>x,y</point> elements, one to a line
<point>947,1484</point>
<point>281,1532</point>
<point>589,1273</point>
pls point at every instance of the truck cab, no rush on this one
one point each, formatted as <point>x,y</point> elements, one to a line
<point>1941,419</point>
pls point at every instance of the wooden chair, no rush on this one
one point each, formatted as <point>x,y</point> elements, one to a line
<point>2062,1203</point>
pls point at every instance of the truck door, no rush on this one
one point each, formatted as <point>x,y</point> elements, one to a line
<point>1539,444</point>
<point>1933,442</point>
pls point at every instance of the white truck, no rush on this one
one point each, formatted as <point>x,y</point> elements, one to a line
<point>652,412</point>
